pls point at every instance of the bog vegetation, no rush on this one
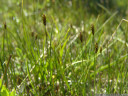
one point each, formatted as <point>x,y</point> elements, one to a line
<point>63,47</point>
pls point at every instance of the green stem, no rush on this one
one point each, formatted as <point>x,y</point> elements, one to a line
<point>94,64</point>
<point>108,89</point>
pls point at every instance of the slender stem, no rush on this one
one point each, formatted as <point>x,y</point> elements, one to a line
<point>94,63</point>
<point>46,40</point>
<point>82,53</point>
<point>5,72</point>
<point>108,69</point>
<point>3,48</point>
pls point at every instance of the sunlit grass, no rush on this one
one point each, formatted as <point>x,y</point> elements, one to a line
<point>60,53</point>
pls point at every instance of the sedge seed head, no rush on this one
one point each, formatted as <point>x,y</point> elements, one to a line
<point>92,28</point>
<point>96,47</point>
<point>53,1</point>
<point>100,49</point>
<point>5,25</point>
<point>32,34</point>
<point>36,36</point>
<point>71,26</point>
<point>81,37</point>
<point>44,19</point>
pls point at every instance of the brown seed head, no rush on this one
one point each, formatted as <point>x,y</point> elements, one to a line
<point>44,20</point>
<point>92,28</point>
<point>71,26</point>
<point>5,26</point>
<point>81,37</point>
<point>32,34</point>
<point>36,36</point>
<point>53,1</point>
<point>96,48</point>
<point>100,49</point>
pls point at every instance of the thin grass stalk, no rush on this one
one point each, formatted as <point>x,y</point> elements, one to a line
<point>8,42</point>
<point>34,11</point>
<point>126,50</point>
<point>117,65</point>
<point>5,72</point>
<point>71,47</point>
<point>121,76</point>
<point>93,42</point>
<point>51,66</point>
<point>94,66</point>
<point>46,35</point>
<point>81,43</point>
<point>101,62</point>
<point>44,22</point>
<point>3,46</point>
<point>126,40</point>
<point>108,59</point>
<point>6,37</point>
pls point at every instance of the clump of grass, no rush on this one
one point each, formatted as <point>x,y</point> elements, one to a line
<point>64,68</point>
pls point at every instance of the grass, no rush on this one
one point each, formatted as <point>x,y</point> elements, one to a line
<point>59,53</point>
